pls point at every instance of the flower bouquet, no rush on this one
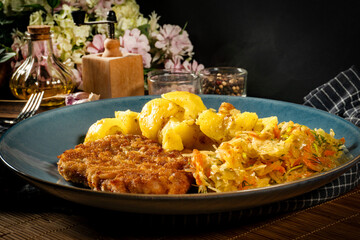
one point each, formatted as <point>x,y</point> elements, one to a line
<point>167,46</point>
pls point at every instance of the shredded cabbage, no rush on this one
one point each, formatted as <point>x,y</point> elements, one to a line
<point>270,154</point>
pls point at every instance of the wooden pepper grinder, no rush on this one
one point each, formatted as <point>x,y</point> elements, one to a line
<point>111,74</point>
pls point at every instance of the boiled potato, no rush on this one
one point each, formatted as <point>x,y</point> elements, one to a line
<point>177,135</point>
<point>227,109</point>
<point>266,125</point>
<point>168,136</point>
<point>192,103</point>
<point>155,114</point>
<point>226,123</point>
<point>245,121</point>
<point>180,120</point>
<point>212,125</point>
<point>102,128</point>
<point>130,121</point>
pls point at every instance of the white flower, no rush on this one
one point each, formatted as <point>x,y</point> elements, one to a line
<point>126,23</point>
<point>63,46</point>
<point>130,9</point>
<point>128,16</point>
<point>17,6</point>
<point>76,55</point>
<point>80,34</point>
<point>170,43</point>
<point>36,18</point>
<point>141,21</point>
<point>153,22</point>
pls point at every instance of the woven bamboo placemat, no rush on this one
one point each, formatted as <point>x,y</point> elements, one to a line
<point>330,220</point>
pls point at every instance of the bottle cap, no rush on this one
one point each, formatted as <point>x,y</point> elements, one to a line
<point>39,32</point>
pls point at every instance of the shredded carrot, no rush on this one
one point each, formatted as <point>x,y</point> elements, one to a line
<point>276,131</point>
<point>252,159</point>
<point>329,153</point>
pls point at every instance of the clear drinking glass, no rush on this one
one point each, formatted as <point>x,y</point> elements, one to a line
<point>224,81</point>
<point>164,80</point>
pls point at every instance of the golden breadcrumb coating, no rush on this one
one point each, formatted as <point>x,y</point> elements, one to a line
<point>126,164</point>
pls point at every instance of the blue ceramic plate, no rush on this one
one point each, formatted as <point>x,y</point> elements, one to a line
<point>31,148</point>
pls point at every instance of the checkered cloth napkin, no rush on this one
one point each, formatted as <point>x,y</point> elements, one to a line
<point>340,96</point>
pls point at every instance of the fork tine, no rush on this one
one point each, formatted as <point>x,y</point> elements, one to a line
<point>36,104</point>
<point>31,107</point>
<point>25,108</point>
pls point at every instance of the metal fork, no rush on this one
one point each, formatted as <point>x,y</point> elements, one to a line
<point>30,108</point>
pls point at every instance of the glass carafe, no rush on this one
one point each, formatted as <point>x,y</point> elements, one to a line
<point>42,71</point>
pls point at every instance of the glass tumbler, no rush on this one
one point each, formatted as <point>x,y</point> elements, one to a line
<point>167,80</point>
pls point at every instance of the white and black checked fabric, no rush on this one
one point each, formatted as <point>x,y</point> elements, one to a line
<point>340,96</point>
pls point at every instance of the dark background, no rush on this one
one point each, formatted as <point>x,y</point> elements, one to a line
<point>288,47</point>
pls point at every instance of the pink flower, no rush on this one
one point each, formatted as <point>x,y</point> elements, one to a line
<point>106,4</point>
<point>174,63</point>
<point>80,97</point>
<point>118,2</point>
<point>102,7</point>
<point>173,40</point>
<point>194,67</point>
<point>78,75</point>
<point>135,42</point>
<point>21,48</point>
<point>97,45</point>
<point>81,4</point>
<point>15,64</point>
<point>39,49</point>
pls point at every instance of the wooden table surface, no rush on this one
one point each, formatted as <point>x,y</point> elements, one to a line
<point>29,213</point>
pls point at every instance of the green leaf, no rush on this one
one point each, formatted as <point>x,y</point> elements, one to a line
<point>53,3</point>
<point>183,29</point>
<point>6,21</point>
<point>144,29</point>
<point>6,56</point>
<point>5,48</point>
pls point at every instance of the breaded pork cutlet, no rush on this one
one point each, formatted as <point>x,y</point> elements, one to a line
<point>126,164</point>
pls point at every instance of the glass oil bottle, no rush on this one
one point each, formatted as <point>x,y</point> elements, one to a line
<point>42,71</point>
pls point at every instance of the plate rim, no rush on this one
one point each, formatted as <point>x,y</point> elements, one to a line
<point>196,196</point>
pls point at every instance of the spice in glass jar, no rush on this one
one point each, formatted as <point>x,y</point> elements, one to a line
<point>224,81</point>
